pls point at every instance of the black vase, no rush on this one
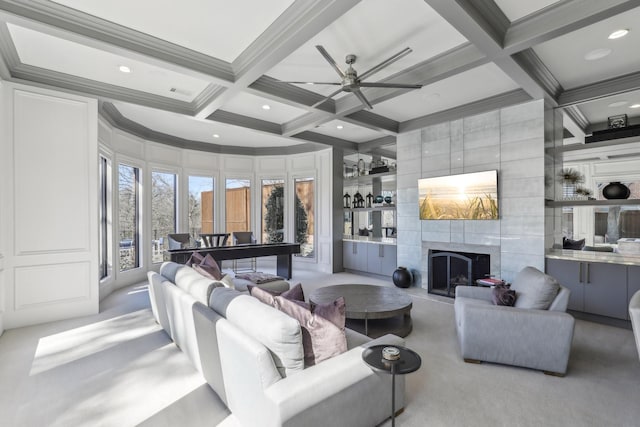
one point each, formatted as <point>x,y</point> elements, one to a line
<point>402,277</point>
<point>616,190</point>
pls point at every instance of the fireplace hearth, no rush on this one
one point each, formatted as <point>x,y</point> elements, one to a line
<point>448,269</point>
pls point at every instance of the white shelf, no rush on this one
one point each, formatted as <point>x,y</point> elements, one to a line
<point>568,203</point>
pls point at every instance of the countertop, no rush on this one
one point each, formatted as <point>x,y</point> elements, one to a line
<point>593,256</point>
<point>369,239</point>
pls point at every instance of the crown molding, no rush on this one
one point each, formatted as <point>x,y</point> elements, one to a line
<point>558,19</point>
<point>111,114</point>
<point>91,27</point>
<point>617,85</point>
<point>99,89</point>
<point>497,102</point>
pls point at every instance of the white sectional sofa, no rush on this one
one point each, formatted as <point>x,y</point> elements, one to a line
<point>252,356</point>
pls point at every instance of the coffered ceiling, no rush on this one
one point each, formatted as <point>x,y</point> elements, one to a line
<point>211,75</point>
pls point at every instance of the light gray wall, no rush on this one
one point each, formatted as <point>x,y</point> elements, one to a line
<point>510,140</point>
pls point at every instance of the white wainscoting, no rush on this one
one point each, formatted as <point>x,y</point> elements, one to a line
<point>51,259</point>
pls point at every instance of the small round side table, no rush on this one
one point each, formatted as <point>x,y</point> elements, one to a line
<point>408,362</point>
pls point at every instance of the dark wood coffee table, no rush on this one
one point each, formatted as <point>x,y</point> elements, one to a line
<point>372,310</point>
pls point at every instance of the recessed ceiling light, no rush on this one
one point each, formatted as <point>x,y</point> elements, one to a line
<point>618,104</point>
<point>618,33</point>
<point>215,135</point>
<point>339,127</point>
<point>634,106</point>
<point>266,107</point>
<point>597,54</point>
<point>124,69</point>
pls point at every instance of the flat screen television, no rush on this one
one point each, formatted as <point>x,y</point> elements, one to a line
<point>464,196</point>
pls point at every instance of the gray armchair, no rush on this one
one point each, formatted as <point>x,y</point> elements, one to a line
<point>634,314</point>
<point>537,338</point>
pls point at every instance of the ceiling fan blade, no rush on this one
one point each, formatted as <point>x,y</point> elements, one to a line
<point>330,60</point>
<point>361,97</point>
<point>311,83</point>
<point>327,98</point>
<point>404,52</point>
<point>390,85</point>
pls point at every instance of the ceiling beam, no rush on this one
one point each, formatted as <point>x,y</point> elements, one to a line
<point>239,120</point>
<point>60,21</point>
<point>601,89</point>
<point>299,23</point>
<point>477,25</point>
<point>327,140</point>
<point>111,114</point>
<point>559,19</point>
<point>373,145</point>
<point>454,61</point>
<point>98,89</point>
<point>507,99</point>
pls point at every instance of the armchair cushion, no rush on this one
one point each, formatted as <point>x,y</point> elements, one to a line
<point>534,289</point>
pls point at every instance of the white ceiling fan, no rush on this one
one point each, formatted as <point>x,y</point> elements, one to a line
<point>351,82</point>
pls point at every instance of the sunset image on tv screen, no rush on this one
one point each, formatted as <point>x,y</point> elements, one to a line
<point>464,196</point>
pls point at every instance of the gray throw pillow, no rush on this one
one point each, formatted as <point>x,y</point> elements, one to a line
<point>322,326</point>
<point>534,289</point>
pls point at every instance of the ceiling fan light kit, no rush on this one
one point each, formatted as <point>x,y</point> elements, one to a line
<point>351,83</point>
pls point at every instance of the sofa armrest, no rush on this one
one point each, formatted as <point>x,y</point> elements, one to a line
<point>343,390</point>
<point>475,292</point>
<point>537,339</point>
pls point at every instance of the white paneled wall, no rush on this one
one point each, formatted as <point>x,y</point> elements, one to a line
<point>511,141</point>
<point>49,193</point>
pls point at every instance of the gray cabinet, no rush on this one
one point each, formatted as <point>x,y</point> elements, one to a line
<point>354,255</point>
<point>569,274</point>
<point>633,282</point>
<point>381,259</point>
<point>369,257</point>
<point>596,288</point>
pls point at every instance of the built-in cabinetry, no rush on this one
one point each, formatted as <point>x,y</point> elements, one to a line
<point>599,288</point>
<point>369,257</point>
<point>371,217</point>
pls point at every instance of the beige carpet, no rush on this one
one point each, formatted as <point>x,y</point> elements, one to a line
<point>119,368</point>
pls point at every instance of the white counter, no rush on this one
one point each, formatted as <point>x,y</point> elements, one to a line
<point>593,256</point>
<point>369,239</point>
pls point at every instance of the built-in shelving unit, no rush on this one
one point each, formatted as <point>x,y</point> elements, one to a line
<point>368,179</point>
<point>569,203</point>
<point>373,209</point>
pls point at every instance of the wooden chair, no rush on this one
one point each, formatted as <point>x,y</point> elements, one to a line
<point>214,240</point>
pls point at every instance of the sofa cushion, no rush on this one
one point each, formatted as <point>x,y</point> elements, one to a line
<point>268,297</point>
<point>210,265</point>
<point>195,258</point>
<point>278,332</point>
<point>194,283</point>
<point>534,289</point>
<point>323,335</point>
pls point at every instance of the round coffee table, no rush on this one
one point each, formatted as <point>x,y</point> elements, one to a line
<point>370,309</point>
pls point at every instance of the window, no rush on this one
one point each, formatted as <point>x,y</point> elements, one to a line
<point>128,214</point>
<point>272,210</point>
<point>304,215</point>
<point>163,212</point>
<point>238,205</point>
<point>200,205</point>
<point>104,231</point>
